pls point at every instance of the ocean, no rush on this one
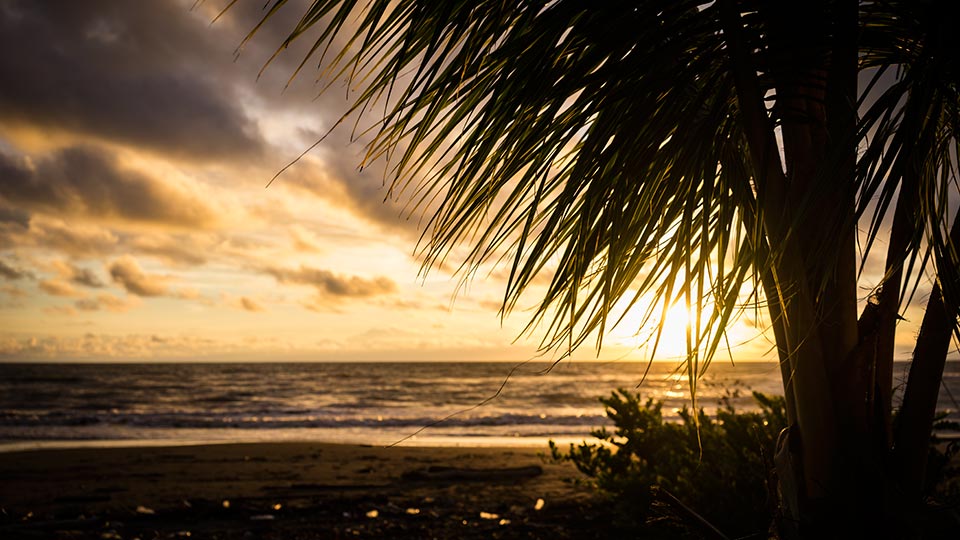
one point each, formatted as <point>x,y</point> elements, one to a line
<point>447,404</point>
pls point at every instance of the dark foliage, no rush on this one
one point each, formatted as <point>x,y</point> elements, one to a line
<point>723,472</point>
<point>720,471</point>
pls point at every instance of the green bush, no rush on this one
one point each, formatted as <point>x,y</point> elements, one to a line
<point>720,470</point>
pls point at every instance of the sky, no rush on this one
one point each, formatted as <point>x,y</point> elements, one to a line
<point>135,225</point>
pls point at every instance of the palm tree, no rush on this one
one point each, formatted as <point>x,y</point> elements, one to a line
<point>701,152</point>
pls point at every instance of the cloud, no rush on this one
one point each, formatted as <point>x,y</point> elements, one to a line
<point>333,285</point>
<point>111,70</point>
<point>127,346</point>
<point>335,178</point>
<point>108,302</point>
<point>15,216</point>
<point>78,275</point>
<point>60,310</point>
<point>58,287</point>
<point>176,249</point>
<point>75,240</point>
<point>250,305</point>
<point>12,273</point>
<point>85,181</point>
<point>319,303</point>
<point>187,293</point>
<point>100,346</point>
<point>127,272</point>
<point>14,292</point>
<point>303,240</point>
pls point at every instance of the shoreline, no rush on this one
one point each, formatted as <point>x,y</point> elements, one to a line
<point>292,490</point>
<point>535,443</point>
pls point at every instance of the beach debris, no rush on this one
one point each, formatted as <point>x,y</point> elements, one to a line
<point>371,514</point>
<point>539,505</point>
<point>110,535</point>
<point>413,511</point>
<point>145,510</point>
<point>504,522</point>
<point>489,515</point>
<point>277,506</point>
<point>225,503</point>
<point>186,503</point>
<point>184,534</point>
<point>262,517</point>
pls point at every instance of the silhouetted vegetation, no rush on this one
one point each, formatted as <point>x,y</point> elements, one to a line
<point>720,466</point>
<point>720,470</point>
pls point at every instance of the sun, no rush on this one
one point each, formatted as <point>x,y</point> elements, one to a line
<point>673,332</point>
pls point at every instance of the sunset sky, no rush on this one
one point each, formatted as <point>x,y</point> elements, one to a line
<point>135,223</point>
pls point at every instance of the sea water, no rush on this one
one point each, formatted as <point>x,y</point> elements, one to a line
<point>455,403</point>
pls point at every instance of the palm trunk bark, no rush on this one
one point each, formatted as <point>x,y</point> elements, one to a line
<point>903,233</point>
<point>816,110</point>
<point>815,415</point>
<point>915,421</point>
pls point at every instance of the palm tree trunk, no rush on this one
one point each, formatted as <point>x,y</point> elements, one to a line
<point>902,232</point>
<point>816,421</point>
<point>818,302</point>
<point>915,421</point>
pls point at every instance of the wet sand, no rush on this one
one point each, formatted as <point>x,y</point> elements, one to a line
<point>292,490</point>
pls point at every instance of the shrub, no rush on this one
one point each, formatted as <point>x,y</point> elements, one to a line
<point>943,479</point>
<point>723,471</point>
<point>720,470</point>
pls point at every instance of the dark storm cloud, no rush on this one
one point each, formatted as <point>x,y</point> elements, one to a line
<point>328,283</point>
<point>157,75</point>
<point>339,178</point>
<point>84,181</point>
<point>331,171</point>
<point>133,72</point>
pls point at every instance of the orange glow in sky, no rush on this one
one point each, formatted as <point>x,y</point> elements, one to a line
<point>135,223</point>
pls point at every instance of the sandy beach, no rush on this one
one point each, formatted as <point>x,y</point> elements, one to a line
<point>292,491</point>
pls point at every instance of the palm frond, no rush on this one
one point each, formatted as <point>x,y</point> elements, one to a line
<point>606,149</point>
